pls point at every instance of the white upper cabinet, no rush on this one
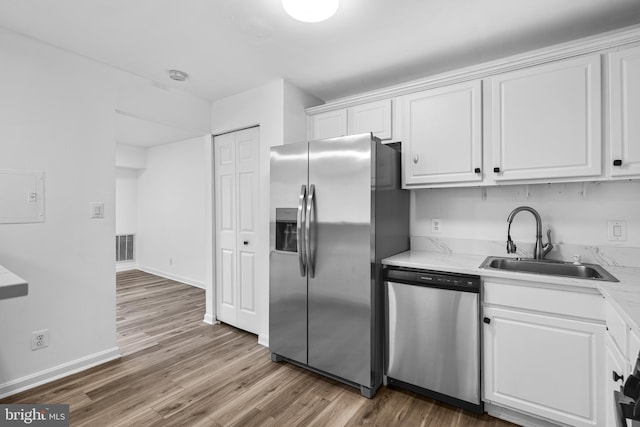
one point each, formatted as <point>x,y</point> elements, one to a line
<point>376,117</point>
<point>625,113</point>
<point>546,121</point>
<point>328,125</point>
<point>372,117</point>
<point>442,135</point>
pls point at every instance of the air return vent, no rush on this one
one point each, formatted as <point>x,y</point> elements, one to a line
<point>124,247</point>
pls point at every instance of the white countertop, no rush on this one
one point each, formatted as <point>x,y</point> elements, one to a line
<point>12,285</point>
<point>623,295</point>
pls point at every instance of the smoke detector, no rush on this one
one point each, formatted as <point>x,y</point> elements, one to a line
<point>178,75</point>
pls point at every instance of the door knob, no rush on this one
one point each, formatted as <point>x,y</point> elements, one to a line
<point>486,320</point>
<point>246,242</point>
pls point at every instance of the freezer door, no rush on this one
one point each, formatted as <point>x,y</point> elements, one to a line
<point>340,259</point>
<point>287,263</point>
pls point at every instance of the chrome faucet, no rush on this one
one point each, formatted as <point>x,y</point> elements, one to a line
<point>540,250</point>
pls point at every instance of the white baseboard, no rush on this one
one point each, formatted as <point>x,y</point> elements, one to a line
<point>126,266</point>
<point>177,278</point>
<point>208,318</point>
<point>57,372</point>
<point>263,340</point>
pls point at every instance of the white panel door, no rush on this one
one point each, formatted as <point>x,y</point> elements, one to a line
<point>545,365</point>
<point>374,117</point>
<point>329,125</point>
<point>546,121</point>
<point>236,203</point>
<point>442,133</point>
<point>247,165</point>
<point>225,220</point>
<point>625,113</point>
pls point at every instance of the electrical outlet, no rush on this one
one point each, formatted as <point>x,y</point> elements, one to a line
<point>39,339</point>
<point>617,230</point>
<point>436,225</point>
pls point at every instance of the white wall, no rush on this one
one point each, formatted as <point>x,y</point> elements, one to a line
<point>295,117</point>
<point>278,107</point>
<point>574,218</point>
<point>172,197</point>
<point>130,156</point>
<point>127,210</point>
<point>126,201</point>
<point>57,114</point>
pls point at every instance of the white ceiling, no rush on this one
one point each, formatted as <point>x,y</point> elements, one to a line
<point>228,46</point>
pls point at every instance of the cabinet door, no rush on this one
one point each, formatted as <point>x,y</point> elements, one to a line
<point>374,117</point>
<point>328,125</point>
<point>544,365</point>
<point>625,111</point>
<point>546,121</point>
<point>442,132</point>
<point>615,367</point>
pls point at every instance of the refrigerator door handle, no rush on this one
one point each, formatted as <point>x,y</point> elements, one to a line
<point>311,201</point>
<point>300,247</point>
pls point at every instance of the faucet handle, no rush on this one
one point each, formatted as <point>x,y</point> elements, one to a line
<point>546,248</point>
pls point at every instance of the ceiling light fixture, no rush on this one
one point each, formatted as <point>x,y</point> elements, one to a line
<point>178,75</point>
<point>311,10</point>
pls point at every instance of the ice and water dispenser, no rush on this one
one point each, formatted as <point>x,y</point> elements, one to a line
<point>286,229</point>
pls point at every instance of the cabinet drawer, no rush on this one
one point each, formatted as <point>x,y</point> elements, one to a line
<point>531,296</point>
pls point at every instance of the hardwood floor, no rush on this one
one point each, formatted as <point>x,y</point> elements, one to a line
<point>176,370</point>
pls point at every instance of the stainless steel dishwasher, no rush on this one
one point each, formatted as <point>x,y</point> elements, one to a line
<point>433,335</point>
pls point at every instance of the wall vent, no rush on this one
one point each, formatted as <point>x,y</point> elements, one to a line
<point>124,247</point>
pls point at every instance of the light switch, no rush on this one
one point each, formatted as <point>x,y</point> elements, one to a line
<point>617,230</point>
<point>96,210</point>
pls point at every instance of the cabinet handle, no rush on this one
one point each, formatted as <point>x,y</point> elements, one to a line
<point>617,163</point>
<point>477,170</point>
<point>246,242</point>
<point>616,376</point>
<point>415,159</point>
<point>496,170</point>
<point>486,320</point>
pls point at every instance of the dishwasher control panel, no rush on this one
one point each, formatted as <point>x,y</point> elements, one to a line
<point>440,279</point>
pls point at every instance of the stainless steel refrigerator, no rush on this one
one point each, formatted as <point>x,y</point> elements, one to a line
<point>337,208</point>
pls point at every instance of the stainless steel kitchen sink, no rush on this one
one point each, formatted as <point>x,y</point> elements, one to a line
<point>548,267</point>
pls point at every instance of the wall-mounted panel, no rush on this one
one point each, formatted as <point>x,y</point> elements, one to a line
<point>21,196</point>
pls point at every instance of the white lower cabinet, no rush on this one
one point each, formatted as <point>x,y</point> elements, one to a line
<point>616,371</point>
<point>547,365</point>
